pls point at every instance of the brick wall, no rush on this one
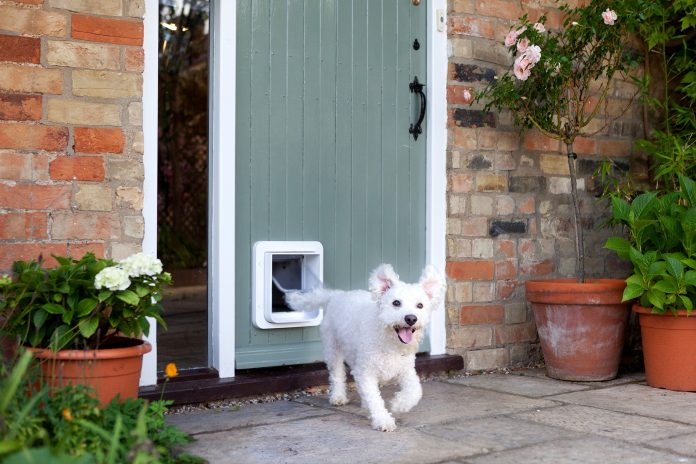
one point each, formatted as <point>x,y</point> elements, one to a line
<point>71,140</point>
<point>509,206</point>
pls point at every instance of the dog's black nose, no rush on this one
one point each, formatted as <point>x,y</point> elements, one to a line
<point>410,319</point>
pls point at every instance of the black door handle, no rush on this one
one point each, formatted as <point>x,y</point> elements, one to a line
<point>417,87</point>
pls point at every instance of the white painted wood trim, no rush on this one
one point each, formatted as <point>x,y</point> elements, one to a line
<point>221,269</point>
<point>436,177</point>
<point>148,375</point>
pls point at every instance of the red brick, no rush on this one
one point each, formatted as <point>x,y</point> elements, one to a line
<point>29,196</point>
<point>534,140</point>
<point>456,95</point>
<point>23,226</point>
<point>584,146</point>
<point>506,269</point>
<point>99,140</point>
<point>506,248</point>
<point>462,183</point>
<point>15,107</point>
<point>615,147</point>
<point>504,289</point>
<point>12,252</point>
<point>20,49</point>
<point>471,26</point>
<point>29,136</point>
<point>15,166</point>
<point>83,226</point>
<point>116,31</point>
<point>538,269</point>
<point>470,270</point>
<point>134,59</point>
<point>78,250</point>
<point>86,168</point>
<point>481,314</point>
<point>516,333</point>
<point>502,9</point>
<point>527,206</point>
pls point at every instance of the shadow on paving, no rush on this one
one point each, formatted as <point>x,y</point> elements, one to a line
<point>517,418</point>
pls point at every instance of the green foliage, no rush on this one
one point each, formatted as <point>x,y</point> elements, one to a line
<point>569,85</point>
<point>61,307</point>
<point>69,426</point>
<point>661,246</point>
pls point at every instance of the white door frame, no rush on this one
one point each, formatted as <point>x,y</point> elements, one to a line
<point>221,341</point>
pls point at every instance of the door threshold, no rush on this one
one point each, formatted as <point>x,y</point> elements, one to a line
<point>256,382</point>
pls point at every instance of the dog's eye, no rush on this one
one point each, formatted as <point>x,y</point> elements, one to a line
<point>396,303</point>
<point>419,306</point>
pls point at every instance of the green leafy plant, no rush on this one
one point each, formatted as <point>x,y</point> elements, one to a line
<point>561,79</point>
<point>69,426</point>
<point>661,246</point>
<point>81,303</point>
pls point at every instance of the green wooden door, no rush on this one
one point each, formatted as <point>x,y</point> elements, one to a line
<point>323,150</point>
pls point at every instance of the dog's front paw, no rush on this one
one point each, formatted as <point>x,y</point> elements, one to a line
<point>402,403</point>
<point>338,400</point>
<point>384,424</point>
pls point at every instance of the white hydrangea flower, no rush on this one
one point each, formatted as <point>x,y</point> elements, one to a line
<point>113,278</point>
<point>141,264</point>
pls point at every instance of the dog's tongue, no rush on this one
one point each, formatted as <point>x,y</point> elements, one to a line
<point>405,334</point>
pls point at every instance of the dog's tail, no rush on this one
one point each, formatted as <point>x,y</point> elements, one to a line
<point>309,301</point>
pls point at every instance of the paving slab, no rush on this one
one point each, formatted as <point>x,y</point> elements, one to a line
<point>535,387</point>
<point>683,444</point>
<point>444,402</point>
<point>338,438</point>
<point>639,399</point>
<point>610,424</point>
<point>584,450</point>
<point>622,379</point>
<point>496,433</point>
<point>214,420</point>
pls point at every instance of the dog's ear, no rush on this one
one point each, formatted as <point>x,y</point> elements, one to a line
<point>382,279</point>
<point>433,284</point>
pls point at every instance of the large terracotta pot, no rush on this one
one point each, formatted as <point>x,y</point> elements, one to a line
<point>669,349</point>
<point>110,371</point>
<point>581,326</point>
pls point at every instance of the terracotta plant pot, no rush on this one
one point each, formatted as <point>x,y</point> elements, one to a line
<point>110,371</point>
<point>669,349</point>
<point>581,326</point>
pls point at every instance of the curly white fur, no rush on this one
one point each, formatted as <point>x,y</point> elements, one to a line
<point>377,334</point>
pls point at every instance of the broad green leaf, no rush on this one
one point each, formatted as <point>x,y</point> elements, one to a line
<point>620,209</point>
<point>86,306</point>
<point>60,337</point>
<point>690,278</point>
<point>104,295</point>
<point>129,297</point>
<point>688,221</point>
<point>53,308</point>
<point>674,266</point>
<point>67,316</point>
<point>686,303</point>
<point>141,290</point>
<point>689,262</point>
<point>40,317</point>
<point>655,269</point>
<point>688,187</point>
<point>72,300</point>
<point>656,298</point>
<point>666,286</point>
<point>620,245</point>
<point>88,326</point>
<point>632,292</point>
<point>643,204</point>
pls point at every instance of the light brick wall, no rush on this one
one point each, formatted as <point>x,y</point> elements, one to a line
<point>509,206</point>
<point>71,168</point>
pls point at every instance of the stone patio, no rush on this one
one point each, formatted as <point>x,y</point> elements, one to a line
<point>520,417</point>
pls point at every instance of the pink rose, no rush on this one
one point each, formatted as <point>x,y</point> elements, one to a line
<point>539,27</point>
<point>533,54</point>
<point>522,68</point>
<point>511,38</point>
<point>609,17</point>
<point>522,45</point>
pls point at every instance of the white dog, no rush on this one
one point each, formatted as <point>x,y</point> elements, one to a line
<point>377,335</point>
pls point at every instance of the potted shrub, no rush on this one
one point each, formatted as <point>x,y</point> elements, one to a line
<point>83,318</point>
<point>662,248</point>
<point>559,82</point>
<point>661,223</point>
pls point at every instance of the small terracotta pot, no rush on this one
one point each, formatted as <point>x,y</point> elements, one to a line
<point>669,349</point>
<point>581,326</point>
<point>110,371</point>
